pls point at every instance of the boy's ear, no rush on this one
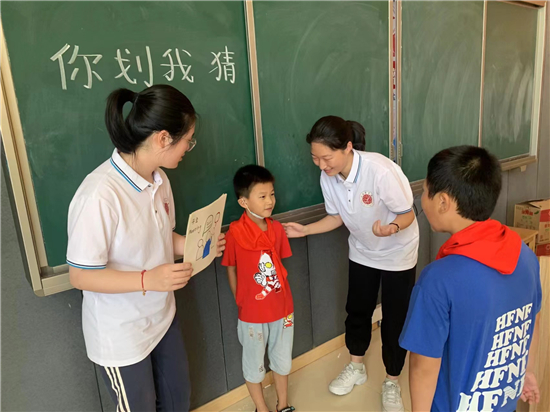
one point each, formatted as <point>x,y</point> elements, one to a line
<point>242,202</point>
<point>444,202</point>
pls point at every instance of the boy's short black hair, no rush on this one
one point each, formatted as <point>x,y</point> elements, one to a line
<point>248,176</point>
<point>471,176</point>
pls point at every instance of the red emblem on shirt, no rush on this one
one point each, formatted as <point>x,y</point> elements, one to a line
<point>167,207</point>
<point>366,198</point>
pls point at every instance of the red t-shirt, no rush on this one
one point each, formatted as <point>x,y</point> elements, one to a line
<point>260,294</point>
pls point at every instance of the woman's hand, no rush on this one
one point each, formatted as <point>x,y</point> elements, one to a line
<point>383,231</point>
<point>167,277</point>
<point>294,230</point>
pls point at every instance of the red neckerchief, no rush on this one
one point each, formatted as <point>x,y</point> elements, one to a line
<point>249,236</point>
<point>488,242</point>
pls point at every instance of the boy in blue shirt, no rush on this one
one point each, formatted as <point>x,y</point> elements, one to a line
<point>471,320</point>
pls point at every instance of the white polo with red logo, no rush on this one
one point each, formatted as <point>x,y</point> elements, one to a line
<point>375,189</point>
<point>118,220</point>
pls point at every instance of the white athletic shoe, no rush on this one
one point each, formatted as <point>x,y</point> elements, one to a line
<point>391,396</point>
<point>348,378</point>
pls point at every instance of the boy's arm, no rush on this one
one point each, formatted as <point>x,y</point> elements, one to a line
<point>423,374</point>
<point>232,278</point>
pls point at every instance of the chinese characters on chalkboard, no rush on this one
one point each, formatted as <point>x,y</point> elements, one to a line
<point>177,61</point>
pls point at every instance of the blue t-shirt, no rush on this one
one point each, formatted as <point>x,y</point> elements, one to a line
<point>480,323</point>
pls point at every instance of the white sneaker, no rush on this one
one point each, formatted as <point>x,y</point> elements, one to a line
<point>348,378</point>
<point>391,396</point>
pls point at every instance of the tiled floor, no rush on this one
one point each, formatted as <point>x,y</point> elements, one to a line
<point>308,387</point>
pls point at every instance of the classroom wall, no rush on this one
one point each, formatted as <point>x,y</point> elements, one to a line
<point>44,365</point>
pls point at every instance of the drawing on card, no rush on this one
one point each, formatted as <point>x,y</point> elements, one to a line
<point>200,249</point>
<point>203,231</point>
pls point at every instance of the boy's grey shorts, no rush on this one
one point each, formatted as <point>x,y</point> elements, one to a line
<point>278,336</point>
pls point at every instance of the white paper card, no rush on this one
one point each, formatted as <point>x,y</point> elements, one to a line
<point>203,230</point>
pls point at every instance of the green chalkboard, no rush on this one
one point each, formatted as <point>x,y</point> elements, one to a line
<point>64,130</point>
<point>317,59</point>
<point>441,79</point>
<point>509,76</point>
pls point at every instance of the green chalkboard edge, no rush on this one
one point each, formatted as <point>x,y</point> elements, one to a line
<point>394,110</point>
<point>397,147</point>
<point>482,86</point>
<point>538,84</point>
<point>254,81</point>
<point>19,173</point>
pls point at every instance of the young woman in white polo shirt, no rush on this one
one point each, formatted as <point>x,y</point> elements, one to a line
<point>369,194</point>
<point>121,252</point>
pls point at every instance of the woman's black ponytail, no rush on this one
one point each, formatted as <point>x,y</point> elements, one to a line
<point>358,133</point>
<point>335,133</point>
<point>160,107</point>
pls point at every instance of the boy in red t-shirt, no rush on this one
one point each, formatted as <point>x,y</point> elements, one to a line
<point>254,249</point>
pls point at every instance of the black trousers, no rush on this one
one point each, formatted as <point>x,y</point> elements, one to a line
<point>364,284</point>
<point>160,382</point>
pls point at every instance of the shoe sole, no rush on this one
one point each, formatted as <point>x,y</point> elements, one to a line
<point>345,391</point>
<point>385,410</point>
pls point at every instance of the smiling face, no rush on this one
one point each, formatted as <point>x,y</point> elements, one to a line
<point>330,161</point>
<point>261,199</point>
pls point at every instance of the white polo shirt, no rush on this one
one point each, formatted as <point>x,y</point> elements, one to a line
<point>376,189</point>
<point>118,220</point>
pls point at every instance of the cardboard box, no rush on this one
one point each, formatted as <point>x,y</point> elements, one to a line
<point>543,250</point>
<point>534,215</point>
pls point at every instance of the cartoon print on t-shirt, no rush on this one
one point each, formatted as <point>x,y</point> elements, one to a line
<point>267,277</point>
